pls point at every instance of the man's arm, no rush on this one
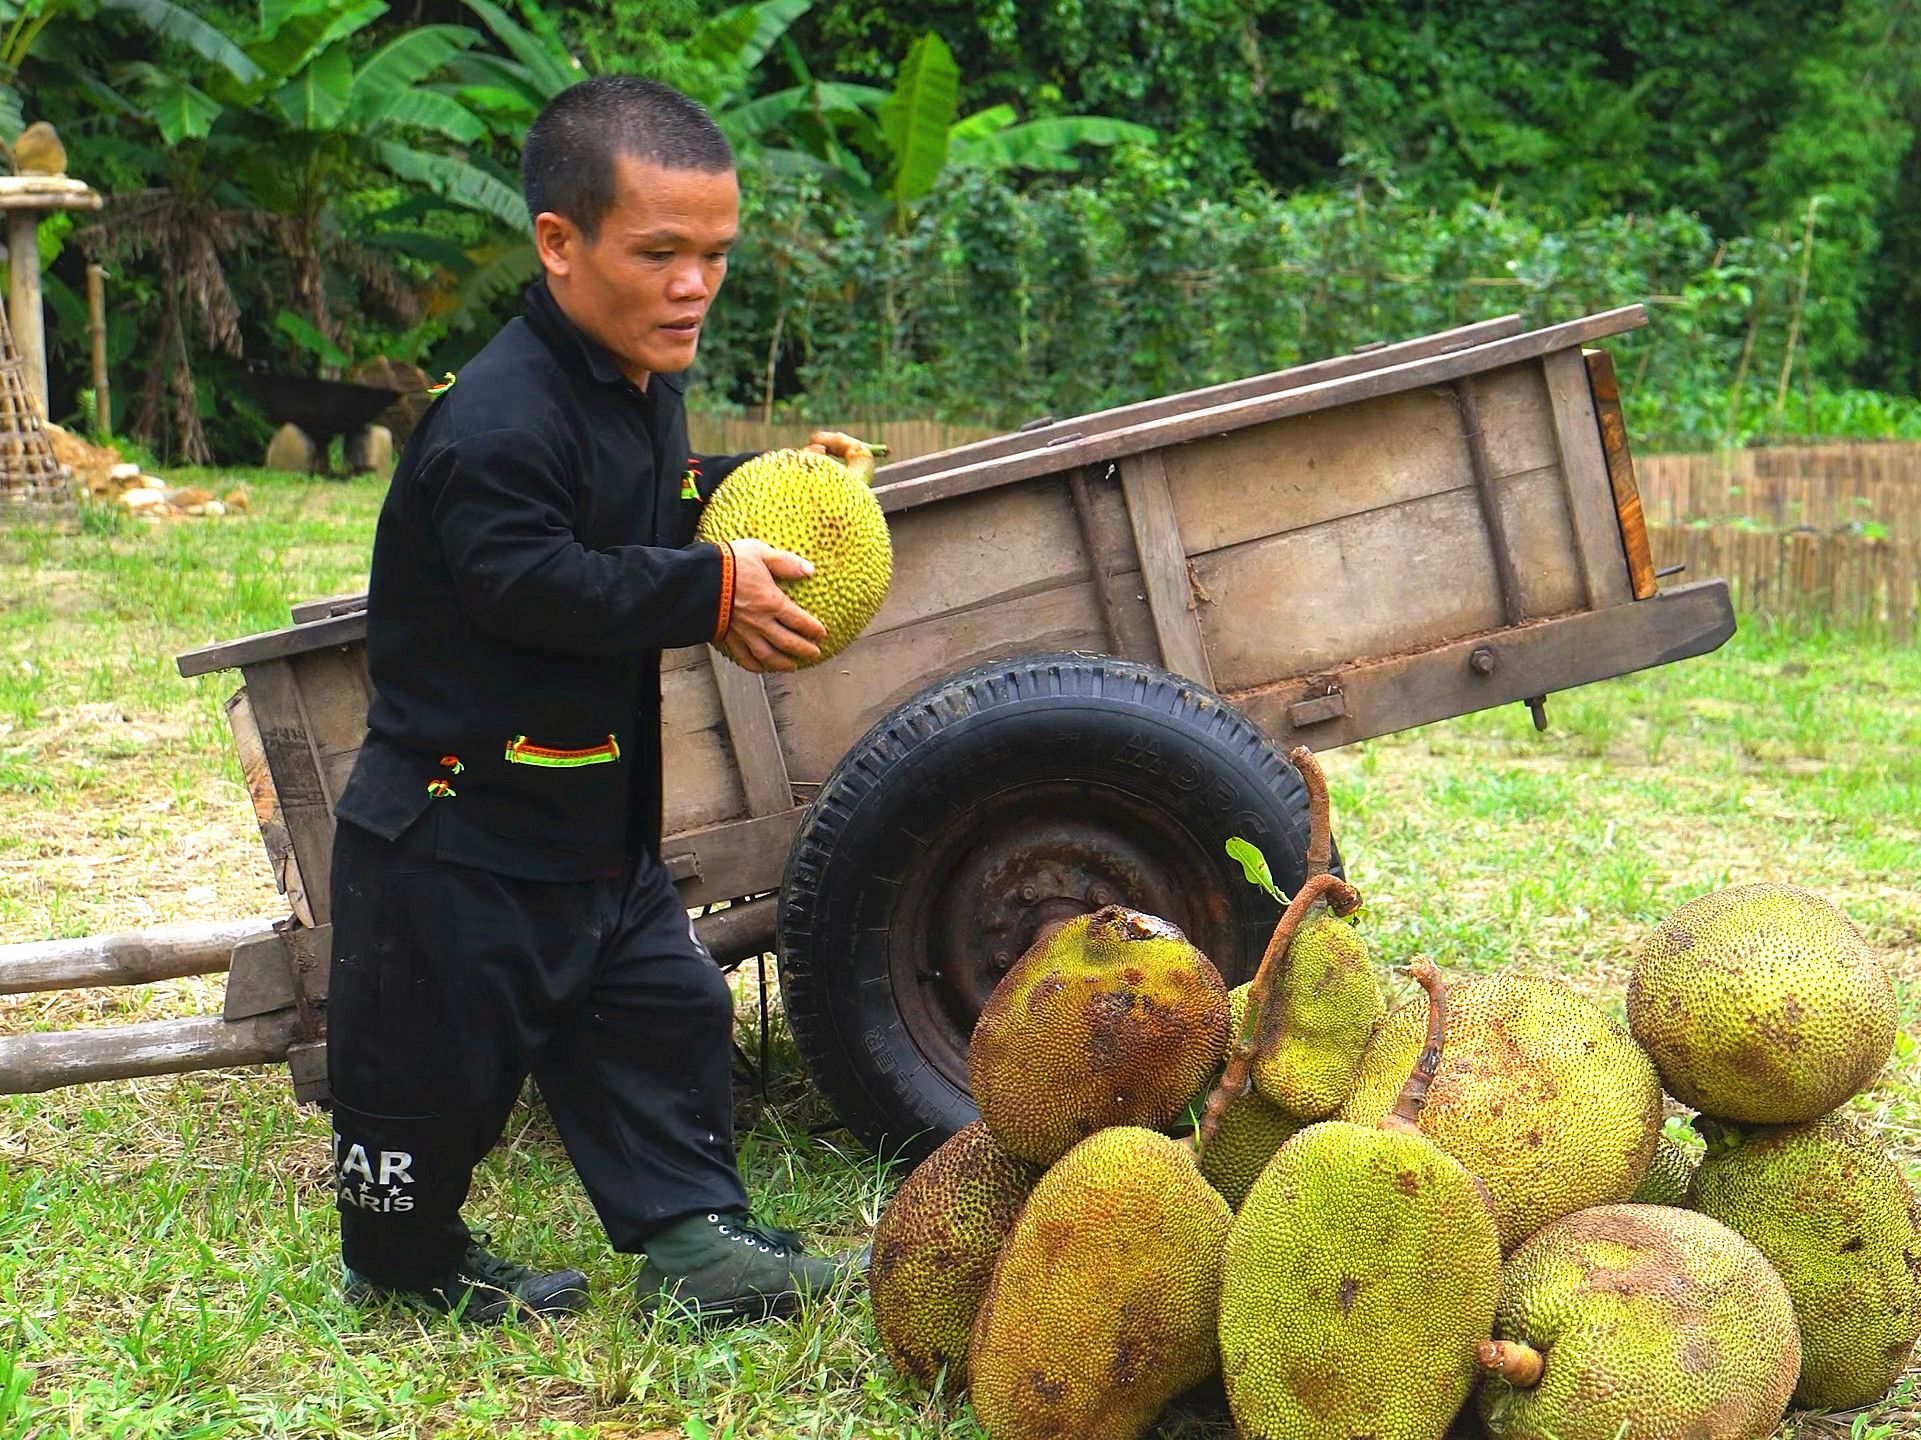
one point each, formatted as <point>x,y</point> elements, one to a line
<point>504,518</point>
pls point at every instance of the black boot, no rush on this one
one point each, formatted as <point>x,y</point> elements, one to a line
<point>726,1265</point>
<point>483,1289</point>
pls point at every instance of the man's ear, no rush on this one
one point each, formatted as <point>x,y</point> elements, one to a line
<point>557,240</point>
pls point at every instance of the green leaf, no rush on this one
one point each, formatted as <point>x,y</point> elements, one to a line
<point>456,181</point>
<point>435,111</point>
<point>915,120</point>
<point>316,98</point>
<point>1041,144</point>
<point>170,22</point>
<point>302,332</point>
<point>12,117</point>
<point>550,68</point>
<point>180,111</point>
<point>1254,866</point>
<point>737,40</point>
<point>421,245</point>
<point>305,32</point>
<point>403,62</point>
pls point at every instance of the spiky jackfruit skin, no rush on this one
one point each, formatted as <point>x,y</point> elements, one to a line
<point>1654,1322</point>
<point>1762,1004</point>
<point>1540,1093</point>
<point>1251,1130</point>
<point>1109,1019</point>
<point>1362,1270</point>
<point>1102,1306</point>
<point>823,511</point>
<point>1837,1219</point>
<point>1325,1007</point>
<point>934,1251</point>
<point>1666,1182</point>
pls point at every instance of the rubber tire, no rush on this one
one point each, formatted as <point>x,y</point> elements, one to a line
<point>1210,772</point>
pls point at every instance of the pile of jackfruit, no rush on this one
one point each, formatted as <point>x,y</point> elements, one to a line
<point>1472,1211</point>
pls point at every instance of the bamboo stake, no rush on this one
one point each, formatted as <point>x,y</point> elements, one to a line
<point>97,332</point>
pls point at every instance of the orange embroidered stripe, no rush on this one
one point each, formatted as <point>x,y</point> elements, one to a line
<point>726,592</point>
<point>519,752</point>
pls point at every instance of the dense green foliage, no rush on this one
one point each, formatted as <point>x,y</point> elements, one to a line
<point>991,210</point>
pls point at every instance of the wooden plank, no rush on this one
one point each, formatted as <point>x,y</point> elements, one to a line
<point>1219,419</point>
<point>1597,532</point>
<point>133,957</point>
<point>1606,390</point>
<point>751,734</point>
<point>306,799</point>
<point>742,857</point>
<point>1366,358</point>
<point>273,645</point>
<point>258,780</point>
<point>822,710</point>
<point>1164,569</point>
<point>260,978</point>
<point>329,606</point>
<point>1539,658</point>
<point>704,786</point>
<point>1382,582</point>
<point>50,1059</point>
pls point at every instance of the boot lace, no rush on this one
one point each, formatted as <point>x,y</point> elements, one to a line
<point>482,1265</point>
<point>743,1227</point>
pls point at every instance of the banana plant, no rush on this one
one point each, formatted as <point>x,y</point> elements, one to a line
<point>48,33</point>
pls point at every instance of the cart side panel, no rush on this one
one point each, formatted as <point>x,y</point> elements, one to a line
<point>983,576</point>
<point>1333,536</point>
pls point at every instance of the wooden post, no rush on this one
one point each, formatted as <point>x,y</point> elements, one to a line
<point>97,332</point>
<point>23,301</point>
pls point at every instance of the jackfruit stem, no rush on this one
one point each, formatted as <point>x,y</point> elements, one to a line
<point>1516,1362</point>
<point>1343,899</point>
<point>1407,1109</point>
<point>1320,831</point>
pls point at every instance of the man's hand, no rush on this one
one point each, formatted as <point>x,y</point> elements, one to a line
<point>840,445</point>
<point>767,630</point>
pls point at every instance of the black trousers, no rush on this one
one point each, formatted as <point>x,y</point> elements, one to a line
<point>450,985</point>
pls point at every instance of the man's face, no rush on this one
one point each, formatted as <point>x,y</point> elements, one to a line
<point>642,285</point>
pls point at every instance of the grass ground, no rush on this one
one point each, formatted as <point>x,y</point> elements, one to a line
<point>167,1245</point>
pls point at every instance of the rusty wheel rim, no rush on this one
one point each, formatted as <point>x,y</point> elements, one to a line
<point>992,877</point>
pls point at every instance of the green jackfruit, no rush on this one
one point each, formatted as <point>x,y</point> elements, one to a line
<point>1542,1095</point>
<point>1109,1019</point>
<point>1324,1002</point>
<point>1643,1321</point>
<point>1101,1308</point>
<point>1762,1004</point>
<point>1676,1154</point>
<point>1326,1005</point>
<point>934,1251</point>
<point>1251,1131</point>
<point>1836,1217</point>
<point>823,511</point>
<point>1361,1274</point>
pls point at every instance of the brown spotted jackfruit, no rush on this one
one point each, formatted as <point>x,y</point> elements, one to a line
<point>1102,1305</point>
<point>1762,1004</point>
<point>1541,1094</point>
<point>934,1251</point>
<point>1109,1019</point>
<point>823,511</point>
<point>1836,1218</point>
<point>1638,1320</point>
<point>1251,1130</point>
<point>1361,1276</point>
<point>1325,1007</point>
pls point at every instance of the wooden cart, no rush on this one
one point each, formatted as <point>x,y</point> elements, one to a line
<point>1032,725</point>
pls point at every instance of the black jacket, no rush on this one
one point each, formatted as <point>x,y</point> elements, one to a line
<point>531,561</point>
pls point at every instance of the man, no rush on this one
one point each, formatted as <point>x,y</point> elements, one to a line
<point>499,904</point>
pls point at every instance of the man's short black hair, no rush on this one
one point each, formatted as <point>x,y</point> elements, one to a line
<point>567,161</point>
